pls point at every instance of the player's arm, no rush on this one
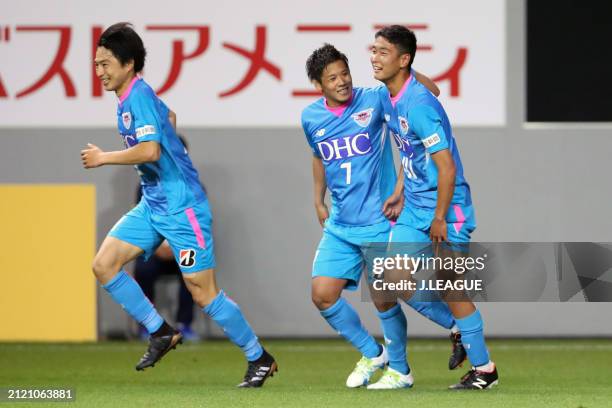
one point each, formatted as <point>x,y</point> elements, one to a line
<point>446,188</point>
<point>143,152</point>
<point>428,82</point>
<point>426,123</point>
<point>320,187</point>
<point>394,204</point>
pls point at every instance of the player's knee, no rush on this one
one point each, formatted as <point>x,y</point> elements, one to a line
<point>202,298</point>
<point>323,300</point>
<point>202,291</point>
<point>103,269</point>
<point>383,306</point>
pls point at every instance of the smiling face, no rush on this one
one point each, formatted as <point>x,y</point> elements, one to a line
<point>336,83</point>
<point>114,75</point>
<point>386,59</point>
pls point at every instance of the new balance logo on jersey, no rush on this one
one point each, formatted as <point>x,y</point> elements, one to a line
<point>321,132</point>
<point>387,117</point>
<point>345,147</point>
<point>364,117</point>
<point>127,119</point>
<point>187,257</point>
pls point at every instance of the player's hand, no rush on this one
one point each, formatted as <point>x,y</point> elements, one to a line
<point>91,156</point>
<point>322,213</point>
<point>438,231</point>
<point>393,206</point>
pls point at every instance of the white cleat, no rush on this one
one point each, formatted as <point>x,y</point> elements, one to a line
<point>392,380</point>
<point>365,368</point>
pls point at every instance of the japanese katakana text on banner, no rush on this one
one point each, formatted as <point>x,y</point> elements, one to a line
<point>241,63</point>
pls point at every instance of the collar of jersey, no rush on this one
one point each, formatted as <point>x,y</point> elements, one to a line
<point>338,111</point>
<point>128,90</point>
<point>396,98</point>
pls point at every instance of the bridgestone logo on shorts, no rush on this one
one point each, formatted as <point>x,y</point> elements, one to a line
<point>187,257</point>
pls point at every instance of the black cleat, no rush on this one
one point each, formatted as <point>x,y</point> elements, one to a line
<point>158,347</point>
<point>477,380</point>
<point>458,355</point>
<point>258,370</point>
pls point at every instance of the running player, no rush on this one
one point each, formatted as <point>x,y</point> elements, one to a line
<point>173,207</point>
<point>437,200</point>
<point>353,159</point>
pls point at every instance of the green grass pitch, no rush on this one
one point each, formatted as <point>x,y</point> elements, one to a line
<point>533,373</point>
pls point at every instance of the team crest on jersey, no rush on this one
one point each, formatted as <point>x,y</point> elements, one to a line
<point>127,119</point>
<point>364,117</point>
<point>187,257</point>
<point>403,125</point>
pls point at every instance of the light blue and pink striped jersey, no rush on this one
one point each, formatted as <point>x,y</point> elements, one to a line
<point>171,184</point>
<point>419,125</point>
<point>357,155</point>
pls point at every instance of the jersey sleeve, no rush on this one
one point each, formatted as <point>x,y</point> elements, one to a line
<point>164,109</point>
<point>147,120</point>
<point>308,135</point>
<point>427,125</point>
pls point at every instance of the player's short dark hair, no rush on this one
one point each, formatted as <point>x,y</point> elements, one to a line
<point>402,37</point>
<point>320,58</point>
<point>125,44</point>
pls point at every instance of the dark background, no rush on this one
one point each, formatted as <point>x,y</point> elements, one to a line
<point>569,61</point>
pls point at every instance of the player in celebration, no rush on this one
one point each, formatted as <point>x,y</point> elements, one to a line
<point>353,159</point>
<point>173,207</point>
<point>437,201</point>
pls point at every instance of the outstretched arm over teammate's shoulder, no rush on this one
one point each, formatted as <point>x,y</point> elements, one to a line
<point>428,82</point>
<point>143,152</point>
<point>320,186</point>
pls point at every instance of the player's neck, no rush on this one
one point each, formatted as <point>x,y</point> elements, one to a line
<point>395,84</point>
<point>125,85</point>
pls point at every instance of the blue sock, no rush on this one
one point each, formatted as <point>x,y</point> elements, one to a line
<point>394,327</point>
<point>227,314</point>
<point>472,338</point>
<point>125,291</point>
<point>345,320</point>
<point>429,304</point>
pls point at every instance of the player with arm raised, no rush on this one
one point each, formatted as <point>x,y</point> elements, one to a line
<point>353,159</point>
<point>437,200</point>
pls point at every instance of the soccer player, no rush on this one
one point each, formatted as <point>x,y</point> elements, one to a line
<point>353,159</point>
<point>437,201</point>
<point>173,207</point>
